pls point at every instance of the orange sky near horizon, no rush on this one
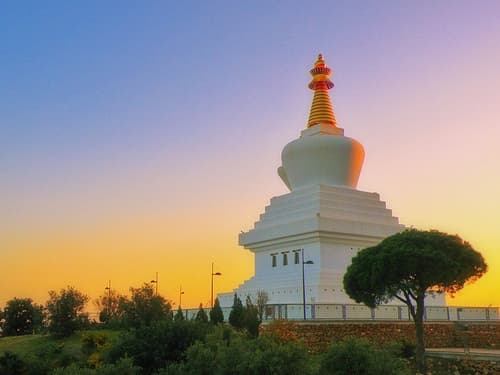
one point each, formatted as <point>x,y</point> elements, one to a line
<point>116,171</point>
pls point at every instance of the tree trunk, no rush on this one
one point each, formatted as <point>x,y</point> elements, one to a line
<point>419,330</point>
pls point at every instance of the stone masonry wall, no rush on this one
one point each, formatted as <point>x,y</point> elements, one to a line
<point>317,336</point>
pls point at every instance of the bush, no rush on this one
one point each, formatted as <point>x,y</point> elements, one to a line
<point>155,346</point>
<point>93,344</point>
<point>123,367</point>
<point>11,364</point>
<point>359,357</point>
<point>234,353</point>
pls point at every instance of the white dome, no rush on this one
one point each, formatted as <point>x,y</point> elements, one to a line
<point>321,157</point>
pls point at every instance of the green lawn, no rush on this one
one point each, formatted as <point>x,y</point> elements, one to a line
<point>46,346</point>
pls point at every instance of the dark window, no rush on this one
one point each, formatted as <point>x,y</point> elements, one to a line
<point>296,257</point>
<point>285,259</point>
<point>273,259</point>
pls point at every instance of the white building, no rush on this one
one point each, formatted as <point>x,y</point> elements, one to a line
<point>324,217</point>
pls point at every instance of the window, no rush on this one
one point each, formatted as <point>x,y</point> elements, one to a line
<point>285,259</point>
<point>273,257</point>
<point>296,257</point>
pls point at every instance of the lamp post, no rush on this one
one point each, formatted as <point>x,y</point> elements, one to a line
<point>181,292</point>
<point>212,285</point>
<point>108,288</point>
<point>155,281</point>
<point>304,283</point>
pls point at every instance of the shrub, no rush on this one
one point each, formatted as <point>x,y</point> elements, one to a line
<point>93,344</point>
<point>359,357</point>
<point>234,353</point>
<point>11,364</point>
<point>124,366</point>
<point>153,347</point>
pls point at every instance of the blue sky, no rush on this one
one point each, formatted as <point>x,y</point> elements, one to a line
<point>174,114</point>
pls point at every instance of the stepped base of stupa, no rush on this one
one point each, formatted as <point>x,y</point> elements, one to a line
<point>330,225</point>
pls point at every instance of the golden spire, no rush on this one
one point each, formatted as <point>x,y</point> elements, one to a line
<point>321,108</point>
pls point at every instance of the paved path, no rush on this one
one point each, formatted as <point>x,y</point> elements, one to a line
<point>473,353</point>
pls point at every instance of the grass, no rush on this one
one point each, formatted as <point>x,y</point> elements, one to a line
<point>47,346</point>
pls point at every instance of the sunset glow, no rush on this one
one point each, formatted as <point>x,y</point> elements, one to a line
<point>143,138</point>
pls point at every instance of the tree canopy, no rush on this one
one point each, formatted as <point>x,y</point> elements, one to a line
<point>66,311</point>
<point>109,305</point>
<point>410,265</point>
<point>144,306</point>
<point>216,314</point>
<point>22,317</point>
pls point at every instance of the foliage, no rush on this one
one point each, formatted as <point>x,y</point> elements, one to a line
<point>144,307</point>
<point>237,314</point>
<point>201,315</point>
<point>240,355</point>
<point>358,357</point>
<point>22,317</point>
<point>245,317</point>
<point>11,364</point>
<point>179,315</point>
<point>408,266</point>
<point>262,299</point>
<point>216,314</point>
<point>108,305</point>
<point>251,321</point>
<point>66,311</point>
<point>93,344</point>
<point>153,347</point>
<point>42,353</point>
<point>124,366</point>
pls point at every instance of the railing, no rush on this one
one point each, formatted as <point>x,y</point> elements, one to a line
<point>384,312</point>
<point>353,312</point>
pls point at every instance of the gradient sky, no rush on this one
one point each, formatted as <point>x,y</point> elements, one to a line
<point>144,136</point>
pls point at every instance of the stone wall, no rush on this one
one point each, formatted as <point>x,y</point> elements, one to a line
<point>317,336</point>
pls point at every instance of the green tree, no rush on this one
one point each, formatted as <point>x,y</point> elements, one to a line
<point>108,304</point>
<point>216,314</point>
<point>179,315</point>
<point>408,266</point>
<point>66,311</point>
<point>251,321</point>
<point>144,307</point>
<point>21,317</point>
<point>237,314</point>
<point>201,315</point>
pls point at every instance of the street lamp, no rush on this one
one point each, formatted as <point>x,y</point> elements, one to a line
<point>212,285</point>
<point>181,292</point>
<point>156,283</point>
<point>108,288</point>
<point>304,283</point>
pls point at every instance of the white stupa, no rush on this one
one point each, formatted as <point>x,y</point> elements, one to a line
<point>324,218</point>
